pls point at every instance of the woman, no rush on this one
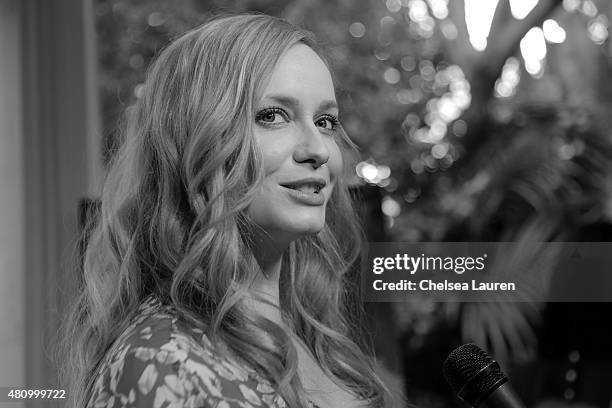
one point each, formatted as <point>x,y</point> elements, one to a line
<point>215,276</point>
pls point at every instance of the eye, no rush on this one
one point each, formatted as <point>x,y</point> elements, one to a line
<point>271,116</point>
<point>329,122</point>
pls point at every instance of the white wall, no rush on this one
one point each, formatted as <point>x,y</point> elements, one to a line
<point>12,218</point>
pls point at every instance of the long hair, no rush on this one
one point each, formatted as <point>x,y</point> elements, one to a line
<point>173,221</point>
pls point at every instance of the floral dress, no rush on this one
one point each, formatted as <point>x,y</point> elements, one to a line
<point>159,361</point>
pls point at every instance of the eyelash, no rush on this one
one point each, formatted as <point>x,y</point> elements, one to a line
<point>335,122</point>
<point>266,111</point>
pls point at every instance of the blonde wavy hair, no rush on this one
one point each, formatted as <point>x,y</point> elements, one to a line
<point>173,222</point>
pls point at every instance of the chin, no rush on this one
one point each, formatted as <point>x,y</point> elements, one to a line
<point>304,226</point>
<point>288,223</point>
<point>285,230</point>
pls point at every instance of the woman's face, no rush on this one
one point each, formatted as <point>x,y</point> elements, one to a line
<point>296,128</point>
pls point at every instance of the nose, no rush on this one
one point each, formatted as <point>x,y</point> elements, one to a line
<point>312,147</point>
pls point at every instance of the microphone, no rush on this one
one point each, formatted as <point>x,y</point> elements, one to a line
<point>477,379</point>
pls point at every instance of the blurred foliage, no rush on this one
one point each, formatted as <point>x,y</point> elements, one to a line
<point>474,147</point>
<point>408,98</point>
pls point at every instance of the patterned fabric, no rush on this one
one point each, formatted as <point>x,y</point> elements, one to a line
<point>159,361</point>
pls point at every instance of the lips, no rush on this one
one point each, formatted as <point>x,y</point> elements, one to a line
<point>309,185</point>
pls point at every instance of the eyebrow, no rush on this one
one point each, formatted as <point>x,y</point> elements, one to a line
<point>293,103</point>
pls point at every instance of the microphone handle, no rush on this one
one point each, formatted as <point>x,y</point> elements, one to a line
<point>502,397</point>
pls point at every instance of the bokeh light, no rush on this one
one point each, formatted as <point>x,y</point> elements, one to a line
<point>553,32</point>
<point>598,29</point>
<point>478,18</point>
<point>505,86</point>
<point>392,76</point>
<point>521,8</point>
<point>373,173</point>
<point>357,29</point>
<point>571,5</point>
<point>439,8</point>
<point>588,8</point>
<point>390,207</point>
<point>394,5</point>
<point>533,50</point>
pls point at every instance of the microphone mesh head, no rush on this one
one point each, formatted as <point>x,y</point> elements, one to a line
<point>464,371</point>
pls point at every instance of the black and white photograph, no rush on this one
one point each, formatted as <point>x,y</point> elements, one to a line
<point>305,204</point>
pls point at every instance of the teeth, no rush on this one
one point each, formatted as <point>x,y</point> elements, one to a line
<point>307,188</point>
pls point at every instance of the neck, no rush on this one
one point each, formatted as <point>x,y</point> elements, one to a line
<point>266,287</point>
<point>267,284</point>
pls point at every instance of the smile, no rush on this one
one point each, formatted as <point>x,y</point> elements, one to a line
<point>306,188</point>
<point>306,194</point>
<point>308,185</point>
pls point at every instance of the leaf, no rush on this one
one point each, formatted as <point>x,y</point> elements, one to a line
<point>147,379</point>
<point>206,375</point>
<point>145,353</point>
<point>175,385</point>
<point>249,394</point>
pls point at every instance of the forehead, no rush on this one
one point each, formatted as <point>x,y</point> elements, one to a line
<point>301,73</point>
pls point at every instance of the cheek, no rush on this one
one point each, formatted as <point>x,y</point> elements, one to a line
<point>335,162</point>
<point>274,152</point>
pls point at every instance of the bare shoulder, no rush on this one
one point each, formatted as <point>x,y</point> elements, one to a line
<point>161,361</point>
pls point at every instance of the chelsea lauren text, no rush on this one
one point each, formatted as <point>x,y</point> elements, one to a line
<point>430,285</point>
